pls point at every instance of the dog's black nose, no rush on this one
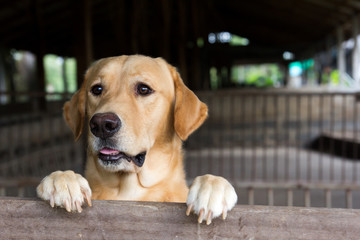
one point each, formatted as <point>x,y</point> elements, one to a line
<point>104,125</point>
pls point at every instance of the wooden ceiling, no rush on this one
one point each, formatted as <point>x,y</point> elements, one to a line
<point>165,27</point>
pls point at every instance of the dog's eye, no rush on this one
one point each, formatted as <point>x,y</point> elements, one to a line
<point>97,90</point>
<point>143,89</point>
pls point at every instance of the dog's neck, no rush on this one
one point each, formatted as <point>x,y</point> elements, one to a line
<point>163,166</point>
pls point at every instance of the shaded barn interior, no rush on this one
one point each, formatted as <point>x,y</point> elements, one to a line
<point>299,141</point>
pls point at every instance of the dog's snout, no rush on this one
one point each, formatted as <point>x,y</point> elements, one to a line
<point>105,125</point>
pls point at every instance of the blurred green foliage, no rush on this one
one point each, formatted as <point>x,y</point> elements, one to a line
<point>262,75</point>
<point>335,77</point>
<point>60,74</point>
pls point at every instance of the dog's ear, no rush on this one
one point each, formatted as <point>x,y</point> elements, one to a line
<point>74,111</point>
<point>189,111</point>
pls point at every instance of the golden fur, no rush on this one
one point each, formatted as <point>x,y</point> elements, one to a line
<point>168,116</point>
<point>155,124</point>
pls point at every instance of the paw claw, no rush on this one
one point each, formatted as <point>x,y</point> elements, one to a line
<point>210,197</point>
<point>201,215</point>
<point>52,201</point>
<point>65,189</point>
<point>78,206</point>
<point>224,214</point>
<point>88,199</point>
<point>189,209</point>
<point>209,218</point>
<point>67,205</point>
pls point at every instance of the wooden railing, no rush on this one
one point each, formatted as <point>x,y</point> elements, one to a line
<point>35,219</point>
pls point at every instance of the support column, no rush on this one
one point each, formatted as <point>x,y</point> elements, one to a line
<point>327,69</point>
<point>40,53</point>
<point>182,43</point>
<point>356,51</point>
<point>196,76</point>
<point>285,68</point>
<point>340,54</point>
<point>84,44</point>
<point>166,13</point>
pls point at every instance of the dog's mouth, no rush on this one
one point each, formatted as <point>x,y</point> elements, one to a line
<point>111,156</point>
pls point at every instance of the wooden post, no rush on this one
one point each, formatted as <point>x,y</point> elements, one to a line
<point>40,52</point>
<point>182,41</point>
<point>329,44</point>
<point>196,15</point>
<point>84,44</point>
<point>166,13</point>
<point>84,50</point>
<point>340,54</point>
<point>356,51</point>
<point>64,76</point>
<point>35,219</point>
<point>304,74</point>
<point>120,29</point>
<point>136,25</point>
<point>285,68</point>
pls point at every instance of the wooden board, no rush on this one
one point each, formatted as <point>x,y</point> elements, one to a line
<point>35,219</point>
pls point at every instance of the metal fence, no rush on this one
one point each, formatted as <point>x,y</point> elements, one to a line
<point>282,147</point>
<point>32,145</point>
<point>277,147</point>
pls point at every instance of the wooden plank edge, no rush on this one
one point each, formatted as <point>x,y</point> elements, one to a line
<point>35,219</point>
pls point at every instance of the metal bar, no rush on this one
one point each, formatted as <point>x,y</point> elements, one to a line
<point>264,142</point>
<point>309,128</point>
<point>65,95</point>
<point>332,119</point>
<point>276,138</point>
<point>232,132</point>
<point>290,197</point>
<point>220,161</point>
<point>307,198</point>
<point>343,129</point>
<point>287,137</point>
<point>213,128</point>
<point>254,141</point>
<point>328,202</point>
<point>296,185</point>
<point>270,194</point>
<point>349,202</point>
<point>356,137</point>
<point>298,133</point>
<point>279,92</point>
<point>243,132</point>
<point>321,143</point>
<point>251,196</point>
<point>21,192</point>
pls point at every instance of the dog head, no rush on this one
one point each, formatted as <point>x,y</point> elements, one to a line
<point>131,104</point>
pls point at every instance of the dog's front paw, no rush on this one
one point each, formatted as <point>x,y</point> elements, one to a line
<point>209,197</point>
<point>65,189</point>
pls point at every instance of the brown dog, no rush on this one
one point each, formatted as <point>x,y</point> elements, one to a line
<point>138,111</point>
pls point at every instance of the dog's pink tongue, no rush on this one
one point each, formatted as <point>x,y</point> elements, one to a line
<point>108,151</point>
